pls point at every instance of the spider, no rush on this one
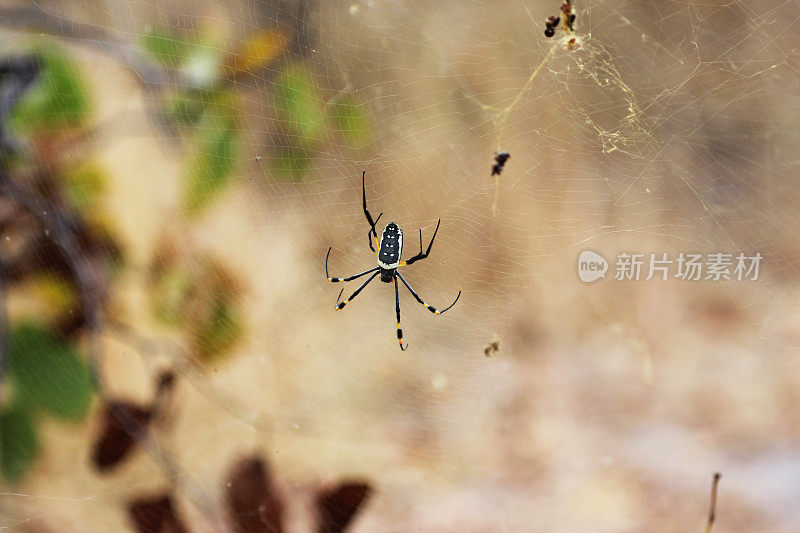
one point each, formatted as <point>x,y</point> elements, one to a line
<point>388,251</point>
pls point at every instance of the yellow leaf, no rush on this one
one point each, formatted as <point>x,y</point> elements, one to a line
<point>256,52</point>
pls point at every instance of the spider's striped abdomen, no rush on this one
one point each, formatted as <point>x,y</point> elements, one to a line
<point>390,247</point>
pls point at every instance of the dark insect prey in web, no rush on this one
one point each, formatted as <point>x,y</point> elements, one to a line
<point>551,23</point>
<point>494,346</point>
<point>500,159</point>
<point>567,16</point>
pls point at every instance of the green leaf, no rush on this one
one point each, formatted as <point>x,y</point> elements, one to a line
<point>302,115</point>
<point>83,186</point>
<point>291,162</point>
<point>58,100</point>
<point>221,332</point>
<point>298,105</point>
<point>164,44</point>
<point>352,121</point>
<point>202,68</point>
<point>53,295</point>
<point>199,58</point>
<point>48,374</point>
<point>214,162</point>
<point>19,444</point>
<point>172,291</point>
<point>186,108</point>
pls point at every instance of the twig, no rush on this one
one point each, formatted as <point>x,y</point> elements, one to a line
<point>187,366</point>
<point>88,280</point>
<point>713,510</point>
<point>16,75</point>
<point>150,74</point>
<point>4,344</point>
<point>19,73</point>
<point>35,18</point>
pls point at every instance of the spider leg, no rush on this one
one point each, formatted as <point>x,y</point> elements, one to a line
<point>431,308</point>
<point>397,308</point>
<point>421,254</point>
<point>374,247</point>
<point>373,241</point>
<point>364,201</point>
<point>337,280</point>
<point>340,305</point>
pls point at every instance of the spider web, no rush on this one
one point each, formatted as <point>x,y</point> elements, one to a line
<point>667,127</point>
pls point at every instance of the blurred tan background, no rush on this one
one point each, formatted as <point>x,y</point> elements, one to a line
<point>670,128</point>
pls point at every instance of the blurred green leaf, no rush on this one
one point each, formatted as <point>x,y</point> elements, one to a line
<point>198,57</point>
<point>58,100</point>
<point>291,162</point>
<point>302,114</point>
<point>203,65</point>
<point>214,162</point>
<point>83,186</point>
<point>186,108</point>
<point>222,330</point>
<point>170,296</point>
<point>298,104</point>
<point>48,374</point>
<point>18,445</point>
<point>352,121</point>
<point>164,44</point>
<point>54,294</point>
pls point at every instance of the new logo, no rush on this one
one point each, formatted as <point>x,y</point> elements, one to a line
<point>591,266</point>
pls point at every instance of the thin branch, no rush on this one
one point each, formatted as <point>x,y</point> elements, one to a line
<point>16,75</point>
<point>87,277</point>
<point>187,366</point>
<point>712,512</point>
<point>4,344</point>
<point>34,18</point>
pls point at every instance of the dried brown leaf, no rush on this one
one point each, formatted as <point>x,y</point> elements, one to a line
<point>124,423</point>
<point>155,515</point>
<point>254,504</point>
<point>337,506</point>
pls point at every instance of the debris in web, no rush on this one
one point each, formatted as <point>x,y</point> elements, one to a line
<point>500,159</point>
<point>494,346</point>
<point>712,512</point>
<point>567,20</point>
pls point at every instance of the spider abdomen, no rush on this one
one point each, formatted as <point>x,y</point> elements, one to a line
<point>390,247</point>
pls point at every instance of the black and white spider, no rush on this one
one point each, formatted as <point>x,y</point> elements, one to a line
<point>388,252</point>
